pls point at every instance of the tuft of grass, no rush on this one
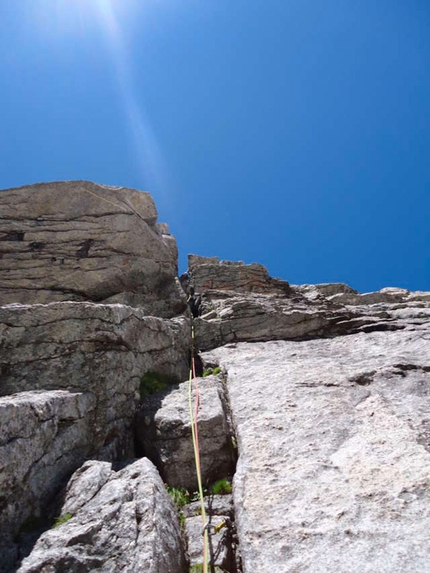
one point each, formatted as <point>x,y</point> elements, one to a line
<point>212,371</point>
<point>153,382</point>
<point>62,519</point>
<point>221,487</point>
<point>179,496</point>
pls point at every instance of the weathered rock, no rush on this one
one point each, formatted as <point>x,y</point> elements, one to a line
<point>206,273</point>
<point>334,451</point>
<point>256,317</point>
<point>76,240</point>
<point>98,353</point>
<point>238,306</point>
<point>219,511</point>
<point>44,437</point>
<point>113,521</point>
<point>163,430</point>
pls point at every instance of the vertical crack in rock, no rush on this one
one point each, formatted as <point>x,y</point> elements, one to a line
<point>163,434</point>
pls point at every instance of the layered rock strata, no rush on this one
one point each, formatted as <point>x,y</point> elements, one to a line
<point>77,241</point>
<point>240,308</point>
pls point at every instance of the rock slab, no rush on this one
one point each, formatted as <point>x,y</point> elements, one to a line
<point>334,452</point>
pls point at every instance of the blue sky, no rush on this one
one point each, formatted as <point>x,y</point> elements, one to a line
<point>294,133</point>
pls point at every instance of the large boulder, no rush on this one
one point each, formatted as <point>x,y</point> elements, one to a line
<point>76,240</point>
<point>334,451</point>
<point>112,521</point>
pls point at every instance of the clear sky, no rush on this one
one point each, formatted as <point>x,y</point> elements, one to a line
<point>295,133</point>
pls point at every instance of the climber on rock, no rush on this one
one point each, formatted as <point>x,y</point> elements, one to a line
<point>194,302</point>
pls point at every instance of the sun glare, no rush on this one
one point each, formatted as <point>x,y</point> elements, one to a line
<point>71,21</point>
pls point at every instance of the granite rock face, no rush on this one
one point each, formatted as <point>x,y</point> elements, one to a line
<point>44,437</point>
<point>222,543</point>
<point>334,451</point>
<point>163,430</point>
<point>113,521</point>
<point>70,376</point>
<point>76,240</point>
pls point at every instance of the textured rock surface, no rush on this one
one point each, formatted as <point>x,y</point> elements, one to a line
<point>120,521</point>
<point>163,430</point>
<point>334,451</point>
<point>98,351</point>
<point>44,437</point>
<point>76,240</point>
<point>104,349</point>
<point>266,309</point>
<point>219,509</point>
<point>209,274</point>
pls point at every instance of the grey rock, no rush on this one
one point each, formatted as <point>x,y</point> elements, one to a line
<point>77,240</point>
<point>44,437</point>
<point>233,276</point>
<point>95,355</point>
<point>220,545</point>
<point>215,505</point>
<point>257,317</point>
<point>242,303</point>
<point>163,430</point>
<point>119,521</point>
<point>334,451</point>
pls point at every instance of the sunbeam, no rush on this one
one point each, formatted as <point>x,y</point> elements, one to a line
<point>152,165</point>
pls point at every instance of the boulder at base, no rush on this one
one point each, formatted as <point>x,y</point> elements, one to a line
<point>112,521</point>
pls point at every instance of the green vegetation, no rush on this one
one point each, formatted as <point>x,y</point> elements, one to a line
<point>62,519</point>
<point>221,487</point>
<point>212,371</point>
<point>153,382</point>
<point>179,496</point>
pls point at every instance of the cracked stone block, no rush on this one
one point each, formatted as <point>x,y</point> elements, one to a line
<point>80,241</point>
<point>163,430</point>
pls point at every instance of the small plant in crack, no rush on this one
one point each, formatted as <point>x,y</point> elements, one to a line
<point>212,371</point>
<point>221,487</point>
<point>179,496</point>
<point>153,382</point>
<point>62,519</point>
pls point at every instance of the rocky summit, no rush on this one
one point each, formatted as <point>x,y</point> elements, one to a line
<point>312,402</point>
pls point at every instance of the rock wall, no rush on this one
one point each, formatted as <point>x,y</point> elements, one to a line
<point>70,376</point>
<point>113,521</point>
<point>323,391</point>
<point>334,451</point>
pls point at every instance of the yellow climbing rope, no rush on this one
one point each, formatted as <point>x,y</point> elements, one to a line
<point>195,435</point>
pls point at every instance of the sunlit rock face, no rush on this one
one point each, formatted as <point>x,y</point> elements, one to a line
<point>334,451</point>
<point>76,240</point>
<point>114,521</point>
